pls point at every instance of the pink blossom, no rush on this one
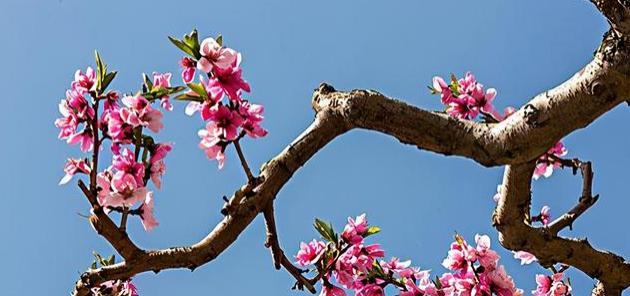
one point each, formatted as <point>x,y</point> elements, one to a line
<point>462,107</point>
<point>85,138</point>
<point>487,257</point>
<point>214,56</point>
<point>544,217</point>
<point>548,161</point>
<point>139,112</point>
<point>74,166</point>
<point>211,144</point>
<point>354,230</point>
<point>252,117</point>
<point>506,113</point>
<point>497,196</point>
<point>226,121</point>
<point>330,290</point>
<point>395,265</point>
<point>310,253</point>
<point>147,218</point>
<point>125,162</point>
<point>459,256</point>
<point>159,151</point>
<point>370,290</point>
<point>163,81</point>
<point>188,69</point>
<point>84,82</point>
<point>502,284</point>
<point>79,105</point>
<point>525,257</point>
<point>231,81</point>
<point>157,162</point>
<point>440,86</point>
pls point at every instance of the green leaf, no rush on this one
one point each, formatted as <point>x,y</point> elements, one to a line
<point>186,97</point>
<point>147,81</point>
<point>111,260</point>
<point>199,89</point>
<point>372,230</point>
<point>109,77</point>
<point>325,229</point>
<point>192,40</point>
<point>432,90</point>
<point>93,266</point>
<point>183,46</point>
<point>219,39</point>
<point>100,70</point>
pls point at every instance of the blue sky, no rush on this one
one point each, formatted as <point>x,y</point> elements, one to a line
<point>418,198</point>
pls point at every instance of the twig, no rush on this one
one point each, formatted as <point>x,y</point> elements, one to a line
<point>123,218</point>
<point>246,190</point>
<point>585,202</point>
<point>239,151</point>
<point>279,259</point>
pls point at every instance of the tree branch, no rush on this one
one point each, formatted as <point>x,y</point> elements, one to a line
<point>279,258</point>
<point>510,219</point>
<point>598,87</point>
<point>584,203</point>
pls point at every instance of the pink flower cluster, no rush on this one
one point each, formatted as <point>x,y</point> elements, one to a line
<point>123,184</point>
<point>115,287</point>
<point>552,285</point>
<point>466,98</point>
<point>357,267</point>
<point>226,121</point>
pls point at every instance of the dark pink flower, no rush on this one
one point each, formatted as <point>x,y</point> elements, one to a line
<point>330,290</point>
<point>252,118</point>
<point>370,290</point>
<point>548,161</point>
<point>310,253</point>
<point>231,81</point>
<point>354,230</point>
<point>84,82</point>
<point>226,121</point>
<point>188,65</point>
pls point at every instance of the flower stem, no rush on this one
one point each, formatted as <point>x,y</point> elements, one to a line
<point>239,151</point>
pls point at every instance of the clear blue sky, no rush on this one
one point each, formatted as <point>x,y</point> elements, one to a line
<point>289,47</point>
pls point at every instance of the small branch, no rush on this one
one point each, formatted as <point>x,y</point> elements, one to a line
<point>108,229</point>
<point>95,148</point>
<point>279,259</point>
<point>123,219</point>
<point>239,151</point>
<point>585,202</point>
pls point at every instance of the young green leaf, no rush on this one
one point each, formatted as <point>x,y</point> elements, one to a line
<point>186,97</point>
<point>192,40</point>
<point>109,77</point>
<point>183,46</point>
<point>372,230</point>
<point>219,39</point>
<point>147,81</point>
<point>325,229</point>
<point>199,89</point>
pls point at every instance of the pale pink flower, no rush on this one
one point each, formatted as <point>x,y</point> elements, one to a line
<point>74,166</point>
<point>395,265</point>
<point>525,257</point>
<point>487,257</point>
<point>139,112</point>
<point>497,196</point>
<point>147,218</point>
<point>506,113</point>
<point>215,56</point>
<point>545,215</point>
<point>158,169</point>
<point>211,144</point>
<point>310,253</point>
<point>501,283</point>
<point>543,285</point>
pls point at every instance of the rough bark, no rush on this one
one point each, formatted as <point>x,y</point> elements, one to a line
<point>516,142</point>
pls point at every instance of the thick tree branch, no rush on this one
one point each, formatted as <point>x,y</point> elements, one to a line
<point>598,87</point>
<point>510,219</point>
